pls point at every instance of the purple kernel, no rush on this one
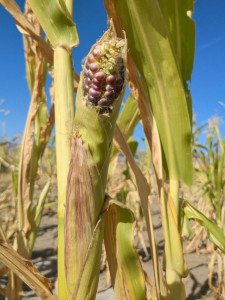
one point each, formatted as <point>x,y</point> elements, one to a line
<point>87,81</point>
<point>110,94</point>
<point>100,76</point>
<point>96,81</point>
<point>96,87</point>
<point>85,72</point>
<point>103,102</point>
<point>94,93</point>
<point>93,67</point>
<point>91,58</point>
<point>87,65</point>
<point>86,88</point>
<point>110,87</point>
<point>93,100</point>
<point>96,52</point>
<point>110,79</point>
<point>119,81</point>
<point>90,74</point>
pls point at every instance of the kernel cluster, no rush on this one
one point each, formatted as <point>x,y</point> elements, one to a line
<point>104,75</point>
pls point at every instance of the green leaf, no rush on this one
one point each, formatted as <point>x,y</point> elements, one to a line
<point>89,280</point>
<point>215,233</point>
<point>36,215</point>
<point>182,29</point>
<point>124,264</point>
<point>56,22</point>
<point>150,47</point>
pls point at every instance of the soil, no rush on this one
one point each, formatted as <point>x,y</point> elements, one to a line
<point>45,259</point>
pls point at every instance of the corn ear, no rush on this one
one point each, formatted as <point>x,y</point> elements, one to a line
<point>91,148</point>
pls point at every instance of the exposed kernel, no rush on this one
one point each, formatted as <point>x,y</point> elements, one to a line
<point>104,75</point>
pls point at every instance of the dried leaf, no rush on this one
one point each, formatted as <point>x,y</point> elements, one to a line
<point>26,271</point>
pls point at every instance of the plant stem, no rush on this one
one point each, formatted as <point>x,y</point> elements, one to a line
<point>174,192</point>
<point>64,114</point>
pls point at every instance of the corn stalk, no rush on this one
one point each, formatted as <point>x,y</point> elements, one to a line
<point>56,20</point>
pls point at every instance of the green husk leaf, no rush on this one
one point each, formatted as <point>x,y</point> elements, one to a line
<point>215,233</point>
<point>150,48</point>
<point>124,263</point>
<point>89,281</point>
<point>83,206</point>
<point>56,22</point>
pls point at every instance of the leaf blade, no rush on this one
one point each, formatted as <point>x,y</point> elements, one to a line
<point>150,47</point>
<point>214,232</point>
<point>123,260</point>
<point>56,22</point>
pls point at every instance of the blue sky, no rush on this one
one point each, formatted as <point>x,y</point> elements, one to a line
<point>208,77</point>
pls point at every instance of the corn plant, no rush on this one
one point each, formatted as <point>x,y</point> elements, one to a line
<point>160,39</point>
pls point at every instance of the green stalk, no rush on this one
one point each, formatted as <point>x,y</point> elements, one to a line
<point>174,192</point>
<point>174,261</point>
<point>64,114</point>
